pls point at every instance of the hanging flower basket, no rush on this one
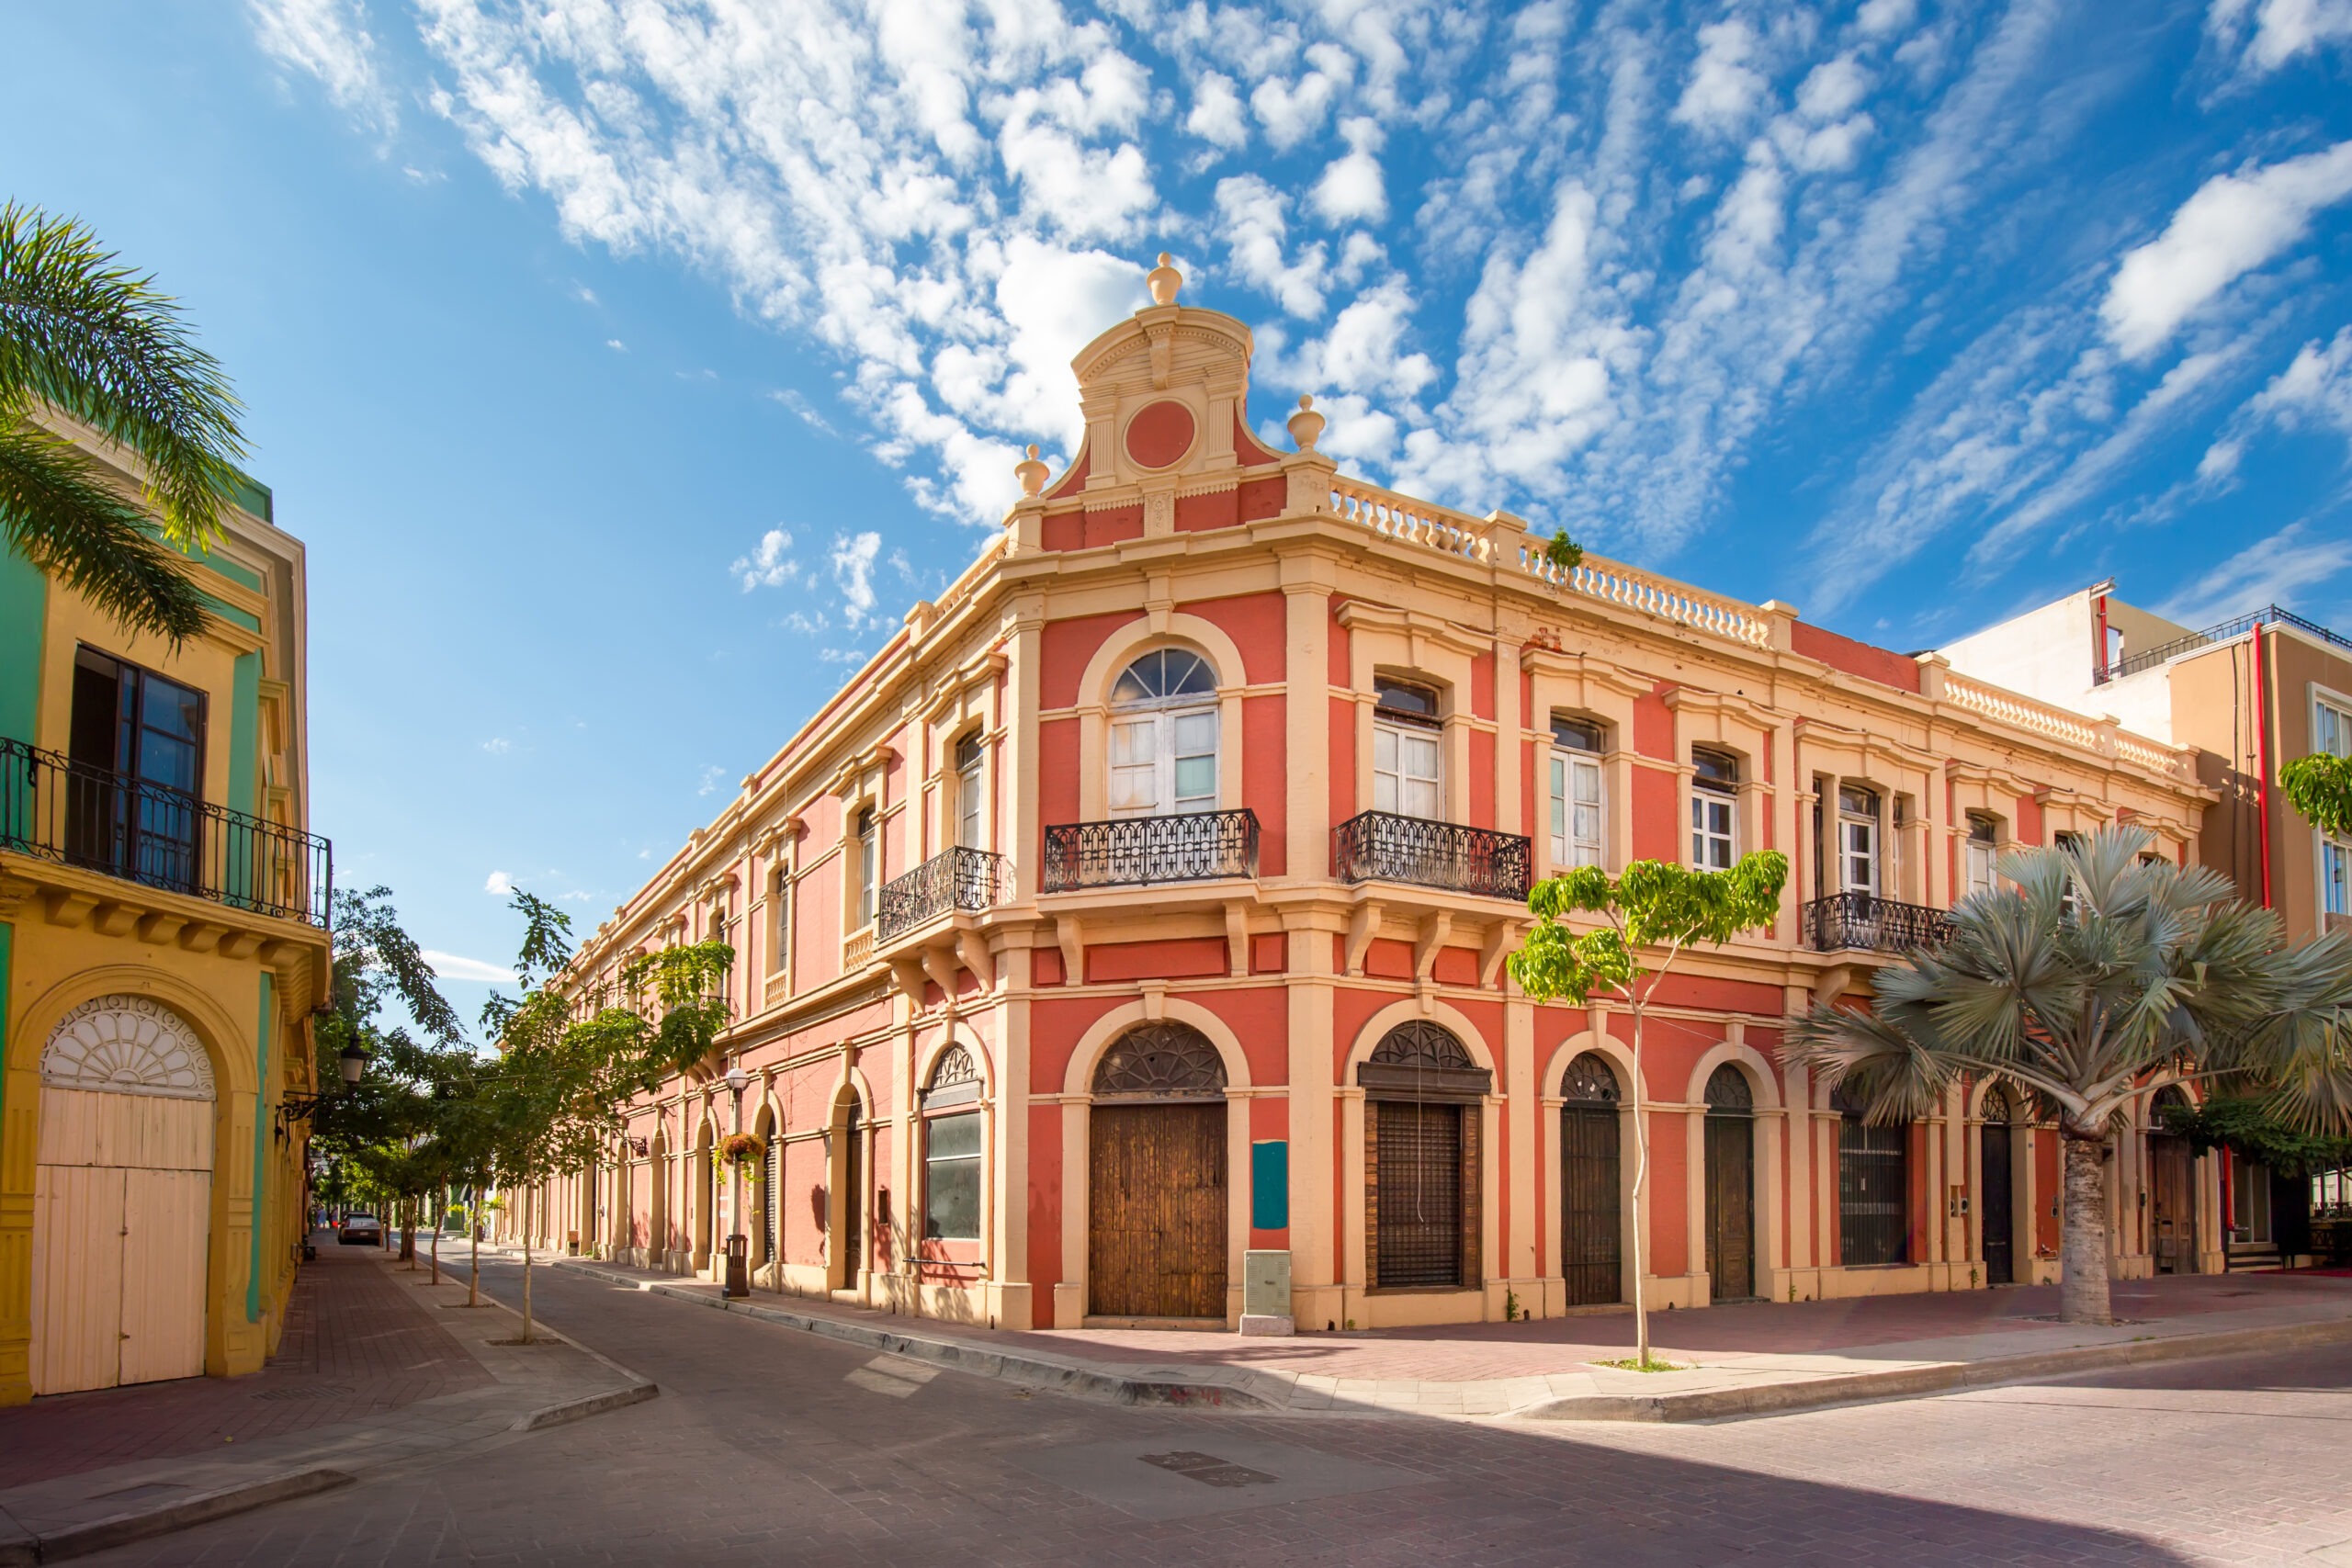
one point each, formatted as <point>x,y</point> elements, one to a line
<point>741,1150</point>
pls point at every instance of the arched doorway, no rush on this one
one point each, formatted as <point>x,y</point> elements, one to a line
<point>658,1245</point>
<point>1156,1187</point>
<point>2172,1189</point>
<point>704,1190</point>
<point>1874,1186</point>
<point>1592,1197</point>
<point>1731,1185</point>
<point>847,1214</point>
<point>1997,1212</point>
<point>1423,1098</point>
<point>122,1198</point>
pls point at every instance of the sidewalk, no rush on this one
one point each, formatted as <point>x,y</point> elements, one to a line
<point>378,1369</point>
<point>1750,1359</point>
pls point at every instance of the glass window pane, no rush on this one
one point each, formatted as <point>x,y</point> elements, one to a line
<point>1196,732</point>
<point>952,1200</point>
<point>1420,756</point>
<point>952,1135</point>
<point>1195,778</point>
<point>1134,741</point>
<point>1383,750</point>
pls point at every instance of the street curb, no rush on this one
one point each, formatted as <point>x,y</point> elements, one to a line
<point>579,1409</point>
<point>99,1535</point>
<point>1094,1382</point>
<point>1071,1377</point>
<point>1947,1377</point>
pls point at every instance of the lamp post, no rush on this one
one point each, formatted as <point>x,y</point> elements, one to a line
<point>739,1273</point>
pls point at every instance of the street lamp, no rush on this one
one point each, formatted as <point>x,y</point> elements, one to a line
<point>296,1106</point>
<point>739,1273</point>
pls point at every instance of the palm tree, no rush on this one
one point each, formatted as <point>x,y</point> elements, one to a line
<point>81,335</point>
<point>2096,979</point>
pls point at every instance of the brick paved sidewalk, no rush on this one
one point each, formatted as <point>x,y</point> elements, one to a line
<point>375,1371</point>
<point>1490,1368</point>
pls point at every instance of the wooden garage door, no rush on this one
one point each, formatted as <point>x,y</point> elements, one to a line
<point>1156,1241</point>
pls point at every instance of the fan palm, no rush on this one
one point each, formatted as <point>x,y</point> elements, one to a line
<point>81,334</point>
<point>2094,980</point>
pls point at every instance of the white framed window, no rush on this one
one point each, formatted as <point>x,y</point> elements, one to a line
<point>869,866</point>
<point>967,792</point>
<point>1164,740</point>
<point>1408,752</point>
<point>2331,728</point>
<point>1715,809</point>
<point>1859,844</point>
<point>2069,905</point>
<point>2335,878</point>
<point>1578,796</point>
<point>1980,854</point>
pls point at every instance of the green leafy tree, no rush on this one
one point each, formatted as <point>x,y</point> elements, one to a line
<point>1642,921</point>
<point>2320,788</point>
<point>82,333</point>
<point>2096,979</point>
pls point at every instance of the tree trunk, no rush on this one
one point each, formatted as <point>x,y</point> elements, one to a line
<point>2082,1254</point>
<point>1641,1180</point>
<point>473,1229</point>
<point>437,1245</point>
<point>527,1266</point>
<point>408,1232</point>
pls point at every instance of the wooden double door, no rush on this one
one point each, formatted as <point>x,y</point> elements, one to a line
<point>1731,1206</point>
<point>2172,1172</point>
<point>1996,1216</point>
<point>1157,1211</point>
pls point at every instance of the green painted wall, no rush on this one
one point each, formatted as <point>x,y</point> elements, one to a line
<point>261,1151</point>
<point>24,611</point>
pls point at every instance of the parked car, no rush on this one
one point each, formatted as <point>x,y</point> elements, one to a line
<point>361,1230</point>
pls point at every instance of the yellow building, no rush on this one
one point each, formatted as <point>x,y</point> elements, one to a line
<point>163,944</point>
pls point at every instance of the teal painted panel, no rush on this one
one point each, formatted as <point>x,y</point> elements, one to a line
<point>261,1148</point>
<point>244,732</point>
<point>1269,1186</point>
<point>8,937</point>
<point>24,615</point>
<point>254,496</point>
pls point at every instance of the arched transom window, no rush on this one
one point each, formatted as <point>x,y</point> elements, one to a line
<point>1163,737</point>
<point>1160,1061</point>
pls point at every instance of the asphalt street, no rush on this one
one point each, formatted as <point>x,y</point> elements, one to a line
<point>771,1446</point>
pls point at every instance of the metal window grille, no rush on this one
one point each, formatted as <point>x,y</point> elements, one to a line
<point>1873,1192</point>
<point>121,826</point>
<point>1421,1178</point>
<point>955,879</point>
<point>1383,846</point>
<point>1196,846</point>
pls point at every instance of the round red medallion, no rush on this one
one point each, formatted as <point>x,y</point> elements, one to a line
<point>1160,435</point>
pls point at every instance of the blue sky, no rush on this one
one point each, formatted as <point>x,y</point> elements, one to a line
<point>629,365</point>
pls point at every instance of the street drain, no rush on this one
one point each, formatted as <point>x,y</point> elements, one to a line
<point>1207,1468</point>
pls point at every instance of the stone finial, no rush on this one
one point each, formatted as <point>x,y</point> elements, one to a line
<point>1032,473</point>
<point>1164,281</point>
<point>1305,424</point>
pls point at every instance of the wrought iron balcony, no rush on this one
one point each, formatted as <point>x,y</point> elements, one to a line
<point>953,879</point>
<point>1136,852</point>
<point>1867,920</point>
<point>97,819</point>
<point>1379,846</point>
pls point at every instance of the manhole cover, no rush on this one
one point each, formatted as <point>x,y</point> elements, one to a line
<point>1208,1470</point>
<point>311,1391</point>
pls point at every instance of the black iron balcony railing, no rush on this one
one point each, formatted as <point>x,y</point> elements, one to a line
<point>97,819</point>
<point>1134,851</point>
<point>953,879</point>
<point>1384,847</point>
<point>1867,920</point>
<point>2163,653</point>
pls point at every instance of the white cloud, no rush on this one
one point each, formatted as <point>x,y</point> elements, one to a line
<point>1291,111</point>
<point>2283,29</point>
<point>452,966</point>
<point>327,39</point>
<point>770,564</point>
<point>1353,187</point>
<point>499,882</point>
<point>1217,116</point>
<point>2232,225</point>
<point>1254,221</point>
<point>497,746</point>
<point>1723,89</point>
<point>852,561</point>
<point>617,345</point>
<point>2317,387</point>
<point>2282,569</point>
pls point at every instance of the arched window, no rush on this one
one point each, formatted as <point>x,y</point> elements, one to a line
<point>1997,1104</point>
<point>1727,1091</point>
<point>1590,1081</point>
<point>1163,742</point>
<point>1420,1044</point>
<point>1160,1061</point>
<point>951,1159</point>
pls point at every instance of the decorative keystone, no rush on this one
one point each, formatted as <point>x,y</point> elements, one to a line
<point>1305,425</point>
<point>1164,281</point>
<point>1032,473</point>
